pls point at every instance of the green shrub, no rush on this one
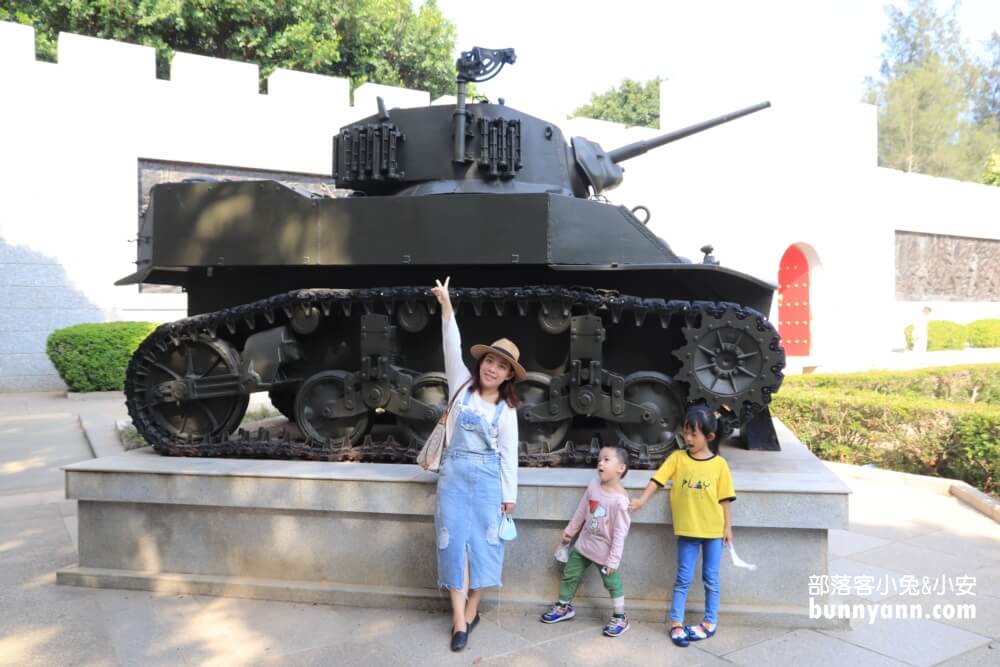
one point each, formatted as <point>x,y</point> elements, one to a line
<point>960,384</point>
<point>983,333</point>
<point>908,333</point>
<point>898,432</point>
<point>93,357</point>
<point>945,335</point>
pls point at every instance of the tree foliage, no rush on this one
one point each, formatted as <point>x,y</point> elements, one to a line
<point>631,103</point>
<point>930,96</point>
<point>988,103</point>
<point>383,41</point>
<point>991,176</point>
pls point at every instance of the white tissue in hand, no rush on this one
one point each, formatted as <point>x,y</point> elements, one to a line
<point>739,562</point>
<point>562,553</point>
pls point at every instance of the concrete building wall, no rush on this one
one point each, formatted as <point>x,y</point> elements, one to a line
<point>75,132</point>
<point>802,173</point>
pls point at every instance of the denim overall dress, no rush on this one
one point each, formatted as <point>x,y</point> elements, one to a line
<point>467,519</point>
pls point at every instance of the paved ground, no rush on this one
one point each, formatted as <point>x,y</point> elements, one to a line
<point>893,532</point>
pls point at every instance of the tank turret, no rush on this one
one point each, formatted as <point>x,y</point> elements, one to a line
<point>323,302</point>
<point>482,147</point>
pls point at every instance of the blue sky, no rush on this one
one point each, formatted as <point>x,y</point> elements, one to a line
<point>758,49</point>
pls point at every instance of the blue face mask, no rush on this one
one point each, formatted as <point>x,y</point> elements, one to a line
<point>508,531</point>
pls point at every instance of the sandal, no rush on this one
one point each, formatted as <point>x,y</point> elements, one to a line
<point>680,639</point>
<point>698,632</point>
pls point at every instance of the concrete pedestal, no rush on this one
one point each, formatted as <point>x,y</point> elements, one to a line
<point>363,535</point>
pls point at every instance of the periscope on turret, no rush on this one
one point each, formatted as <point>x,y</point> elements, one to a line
<point>323,301</point>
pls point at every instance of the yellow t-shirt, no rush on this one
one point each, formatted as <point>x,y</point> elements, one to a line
<point>698,486</point>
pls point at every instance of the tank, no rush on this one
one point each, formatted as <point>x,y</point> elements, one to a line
<point>324,303</point>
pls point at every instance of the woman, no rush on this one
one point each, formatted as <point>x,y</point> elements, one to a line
<point>478,477</point>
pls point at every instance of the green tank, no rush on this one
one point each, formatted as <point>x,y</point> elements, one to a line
<point>324,301</point>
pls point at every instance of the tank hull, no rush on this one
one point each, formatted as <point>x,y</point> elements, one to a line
<point>232,243</point>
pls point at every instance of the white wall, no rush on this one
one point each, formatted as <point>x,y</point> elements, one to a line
<point>802,172</point>
<point>74,132</point>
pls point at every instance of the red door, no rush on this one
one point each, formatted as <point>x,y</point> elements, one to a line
<point>793,303</point>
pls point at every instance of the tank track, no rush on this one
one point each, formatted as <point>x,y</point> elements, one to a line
<point>699,317</point>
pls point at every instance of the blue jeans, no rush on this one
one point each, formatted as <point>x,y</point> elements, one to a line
<point>687,556</point>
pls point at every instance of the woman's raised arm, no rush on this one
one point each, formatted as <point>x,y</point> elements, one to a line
<point>451,340</point>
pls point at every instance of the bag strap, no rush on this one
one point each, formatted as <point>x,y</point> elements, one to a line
<point>451,404</point>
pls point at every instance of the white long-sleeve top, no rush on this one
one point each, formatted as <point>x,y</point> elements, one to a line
<point>507,440</point>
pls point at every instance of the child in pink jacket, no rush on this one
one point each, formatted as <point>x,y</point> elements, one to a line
<point>603,516</point>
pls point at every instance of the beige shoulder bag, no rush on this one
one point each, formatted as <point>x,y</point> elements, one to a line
<point>430,455</point>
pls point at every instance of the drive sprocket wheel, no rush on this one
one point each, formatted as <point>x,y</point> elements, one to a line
<point>730,358</point>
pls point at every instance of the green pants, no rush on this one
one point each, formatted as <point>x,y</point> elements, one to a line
<point>573,573</point>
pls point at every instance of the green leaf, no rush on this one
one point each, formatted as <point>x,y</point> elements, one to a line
<point>631,103</point>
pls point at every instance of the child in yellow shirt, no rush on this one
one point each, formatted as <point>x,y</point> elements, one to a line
<point>700,493</point>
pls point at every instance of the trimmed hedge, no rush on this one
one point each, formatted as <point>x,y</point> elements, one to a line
<point>983,333</point>
<point>959,384</point>
<point>902,432</point>
<point>93,357</point>
<point>945,335</point>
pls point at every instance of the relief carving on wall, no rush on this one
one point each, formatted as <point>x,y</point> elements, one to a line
<point>935,267</point>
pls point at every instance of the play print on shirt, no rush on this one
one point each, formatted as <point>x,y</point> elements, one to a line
<point>696,485</point>
<point>597,512</point>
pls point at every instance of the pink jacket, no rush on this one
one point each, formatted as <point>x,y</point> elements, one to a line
<point>605,521</point>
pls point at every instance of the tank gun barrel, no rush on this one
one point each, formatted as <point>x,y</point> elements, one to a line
<point>638,148</point>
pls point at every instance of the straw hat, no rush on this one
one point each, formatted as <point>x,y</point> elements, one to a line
<point>505,349</point>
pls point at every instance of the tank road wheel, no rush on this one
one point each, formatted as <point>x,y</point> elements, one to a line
<point>191,360</point>
<point>314,402</point>
<point>432,389</point>
<point>650,441</point>
<point>724,361</point>
<point>538,437</point>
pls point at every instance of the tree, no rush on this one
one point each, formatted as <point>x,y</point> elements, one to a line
<point>988,104</point>
<point>927,95</point>
<point>631,103</point>
<point>384,41</point>
<point>991,176</point>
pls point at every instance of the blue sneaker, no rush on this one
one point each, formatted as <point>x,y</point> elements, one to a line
<point>617,626</point>
<point>559,612</point>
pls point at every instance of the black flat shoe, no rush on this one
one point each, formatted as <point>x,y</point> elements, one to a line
<point>459,640</point>
<point>473,624</point>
